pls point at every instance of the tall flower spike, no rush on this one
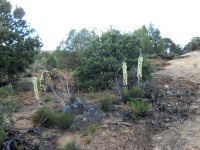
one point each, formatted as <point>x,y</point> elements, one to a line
<point>35,87</point>
<point>139,69</point>
<point>124,68</point>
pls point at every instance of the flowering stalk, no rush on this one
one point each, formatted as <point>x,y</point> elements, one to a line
<point>124,68</point>
<point>139,69</point>
<point>35,87</point>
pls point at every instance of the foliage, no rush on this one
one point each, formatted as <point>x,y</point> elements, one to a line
<point>44,117</point>
<point>105,102</point>
<point>64,121</point>
<point>23,86</point>
<point>18,45</point>
<point>194,44</point>
<point>138,108</point>
<point>88,140</point>
<point>71,145</point>
<point>93,128</point>
<point>5,91</point>
<point>85,132</point>
<point>135,92</point>
<point>2,135</point>
<point>103,58</point>
<point>47,98</point>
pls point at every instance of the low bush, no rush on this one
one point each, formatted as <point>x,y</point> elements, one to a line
<point>105,102</point>
<point>71,145</point>
<point>47,98</point>
<point>23,86</point>
<point>64,121</point>
<point>5,91</point>
<point>138,108</point>
<point>135,92</point>
<point>2,135</point>
<point>45,117</point>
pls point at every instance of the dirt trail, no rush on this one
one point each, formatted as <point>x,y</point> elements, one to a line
<point>186,135</point>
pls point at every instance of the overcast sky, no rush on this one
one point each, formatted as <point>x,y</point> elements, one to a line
<point>53,19</point>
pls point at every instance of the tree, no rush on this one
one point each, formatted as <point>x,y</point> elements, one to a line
<point>143,34</point>
<point>18,45</point>
<point>70,50</point>
<point>194,44</point>
<point>103,57</point>
<point>157,45</point>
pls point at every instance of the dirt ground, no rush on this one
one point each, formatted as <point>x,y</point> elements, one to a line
<point>114,132</point>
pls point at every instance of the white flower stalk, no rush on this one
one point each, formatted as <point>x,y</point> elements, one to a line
<point>124,68</point>
<point>139,69</point>
<point>42,82</point>
<point>35,87</point>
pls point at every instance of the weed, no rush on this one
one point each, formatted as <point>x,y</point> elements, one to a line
<point>88,140</point>
<point>2,135</point>
<point>64,121</point>
<point>5,91</point>
<point>105,102</point>
<point>93,128</point>
<point>45,117</point>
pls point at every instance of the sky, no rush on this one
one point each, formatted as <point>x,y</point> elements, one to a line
<point>53,19</point>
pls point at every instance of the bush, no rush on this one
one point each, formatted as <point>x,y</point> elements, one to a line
<point>71,145</point>
<point>135,92</point>
<point>5,91</point>
<point>23,86</point>
<point>138,108</point>
<point>45,117</point>
<point>64,121</point>
<point>93,128</point>
<point>105,102</point>
<point>88,140</point>
<point>2,136</point>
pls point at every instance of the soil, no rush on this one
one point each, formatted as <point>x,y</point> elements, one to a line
<point>172,124</point>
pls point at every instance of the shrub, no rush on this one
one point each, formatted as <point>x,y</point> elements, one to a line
<point>2,135</point>
<point>93,128</point>
<point>71,145</point>
<point>45,117</point>
<point>88,140</point>
<point>5,91</point>
<point>47,98</point>
<point>105,102</point>
<point>135,92</point>
<point>85,133</point>
<point>138,108</point>
<point>64,121</point>
<point>23,86</point>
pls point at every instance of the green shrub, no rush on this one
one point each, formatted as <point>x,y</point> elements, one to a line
<point>135,92</point>
<point>64,121</point>
<point>47,98</point>
<point>45,117</point>
<point>23,86</point>
<point>105,102</point>
<point>71,145</point>
<point>2,135</point>
<point>93,128</point>
<point>138,108</point>
<point>5,91</point>
<point>85,133</point>
<point>88,140</point>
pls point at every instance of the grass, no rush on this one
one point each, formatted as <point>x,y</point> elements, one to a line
<point>88,140</point>
<point>105,102</point>
<point>71,145</point>
<point>93,128</point>
<point>86,132</point>
<point>64,121</point>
